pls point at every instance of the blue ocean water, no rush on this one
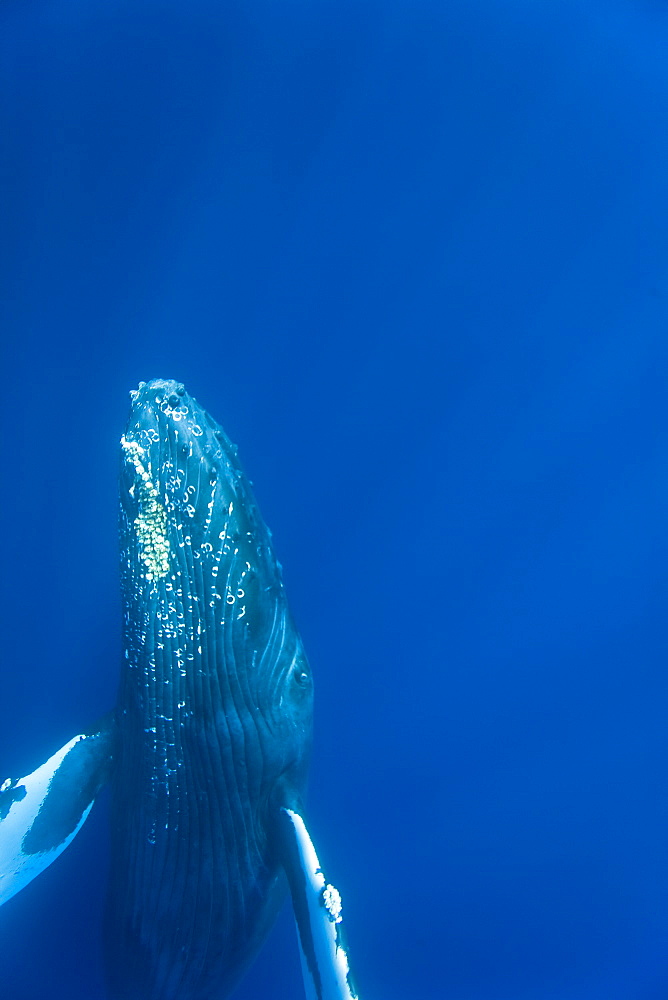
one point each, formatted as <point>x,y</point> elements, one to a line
<point>414,257</point>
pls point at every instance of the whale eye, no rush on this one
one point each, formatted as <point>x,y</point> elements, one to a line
<point>301,676</point>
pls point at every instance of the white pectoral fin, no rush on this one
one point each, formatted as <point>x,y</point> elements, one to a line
<point>317,906</point>
<point>42,813</point>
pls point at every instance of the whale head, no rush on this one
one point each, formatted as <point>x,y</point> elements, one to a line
<point>196,551</point>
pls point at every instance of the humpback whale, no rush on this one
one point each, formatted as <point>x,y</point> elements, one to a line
<point>207,747</point>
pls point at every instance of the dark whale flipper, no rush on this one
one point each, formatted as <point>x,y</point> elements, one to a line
<point>317,907</point>
<point>41,814</point>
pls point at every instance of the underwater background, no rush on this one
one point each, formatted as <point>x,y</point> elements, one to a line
<point>414,257</point>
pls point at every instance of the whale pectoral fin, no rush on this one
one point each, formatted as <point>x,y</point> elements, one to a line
<point>317,906</point>
<point>41,814</point>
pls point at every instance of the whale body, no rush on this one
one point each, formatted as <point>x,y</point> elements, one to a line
<point>207,747</point>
